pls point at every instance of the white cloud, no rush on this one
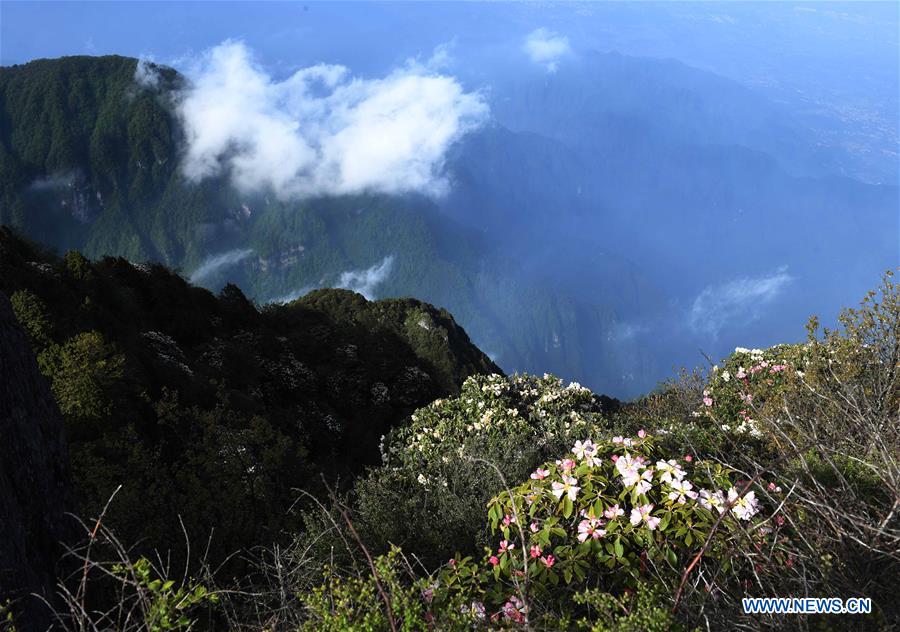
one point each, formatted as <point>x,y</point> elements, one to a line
<point>546,48</point>
<point>735,303</point>
<point>624,332</point>
<point>146,74</point>
<point>322,131</point>
<point>213,264</point>
<point>365,281</point>
<point>58,180</point>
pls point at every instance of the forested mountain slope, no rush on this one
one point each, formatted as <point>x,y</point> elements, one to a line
<point>206,403</point>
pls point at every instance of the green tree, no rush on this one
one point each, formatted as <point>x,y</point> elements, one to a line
<point>82,371</point>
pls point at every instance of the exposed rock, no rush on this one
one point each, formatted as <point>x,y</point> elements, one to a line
<point>34,478</point>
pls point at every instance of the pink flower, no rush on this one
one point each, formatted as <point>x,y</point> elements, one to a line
<point>707,401</point>
<point>615,457</point>
<point>643,513</point>
<point>777,368</point>
<point>614,512</point>
<point>741,374</point>
<point>642,433</point>
<point>548,561</point>
<point>452,561</point>
<point>567,465</point>
<point>493,560</point>
<point>540,474</point>
<point>505,546</point>
<point>514,609</point>
<point>534,527</point>
<point>535,551</point>
<point>688,458</point>
<point>590,528</point>
<point>507,520</point>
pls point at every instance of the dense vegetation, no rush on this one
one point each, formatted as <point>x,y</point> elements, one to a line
<point>206,408</point>
<point>515,502</point>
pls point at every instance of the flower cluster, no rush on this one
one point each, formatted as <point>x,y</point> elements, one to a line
<point>750,378</point>
<point>612,504</point>
<point>491,412</point>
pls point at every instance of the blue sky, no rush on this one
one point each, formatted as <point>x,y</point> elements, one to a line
<point>822,56</point>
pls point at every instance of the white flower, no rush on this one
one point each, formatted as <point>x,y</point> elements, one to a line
<point>585,450</point>
<point>644,482</point>
<point>744,507</point>
<point>712,500</point>
<point>627,462</point>
<point>681,490</point>
<point>568,486</point>
<point>669,471</point>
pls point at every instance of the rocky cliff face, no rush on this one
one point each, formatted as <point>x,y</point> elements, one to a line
<point>34,478</point>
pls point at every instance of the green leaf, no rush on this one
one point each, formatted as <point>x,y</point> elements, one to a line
<point>664,522</point>
<point>672,557</point>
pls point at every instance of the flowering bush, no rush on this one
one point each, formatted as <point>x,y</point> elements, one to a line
<point>614,512</point>
<point>490,413</point>
<point>749,385</point>
<point>456,454</point>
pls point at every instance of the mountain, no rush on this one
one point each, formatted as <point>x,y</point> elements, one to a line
<point>599,227</point>
<point>207,403</point>
<point>110,185</point>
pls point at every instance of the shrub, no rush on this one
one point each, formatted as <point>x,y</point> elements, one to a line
<point>388,597</point>
<point>610,514</point>
<point>442,468</point>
